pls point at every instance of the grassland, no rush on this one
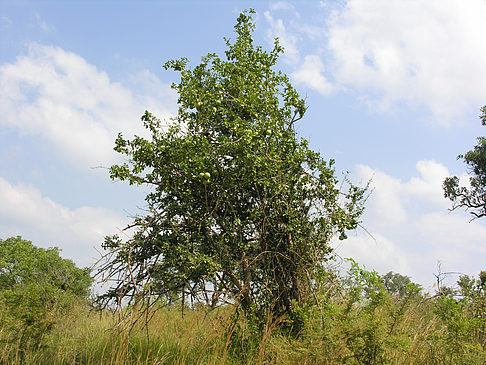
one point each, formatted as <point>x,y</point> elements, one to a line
<point>353,323</point>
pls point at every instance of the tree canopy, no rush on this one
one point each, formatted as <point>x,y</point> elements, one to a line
<point>472,198</point>
<point>22,263</point>
<point>241,210</point>
<point>34,281</point>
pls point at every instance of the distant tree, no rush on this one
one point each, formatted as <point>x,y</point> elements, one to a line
<point>240,208</point>
<point>34,281</point>
<point>22,263</point>
<point>396,283</point>
<point>399,285</point>
<point>471,198</point>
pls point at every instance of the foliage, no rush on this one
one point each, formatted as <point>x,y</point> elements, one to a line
<point>398,285</point>
<point>240,209</point>
<point>23,263</point>
<point>34,282</point>
<point>370,314</point>
<point>474,196</point>
<point>463,312</point>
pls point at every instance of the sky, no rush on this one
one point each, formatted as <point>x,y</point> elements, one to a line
<point>393,89</point>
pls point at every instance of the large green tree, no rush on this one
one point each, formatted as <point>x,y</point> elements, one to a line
<point>472,198</point>
<point>240,208</point>
<point>22,263</point>
<point>34,282</point>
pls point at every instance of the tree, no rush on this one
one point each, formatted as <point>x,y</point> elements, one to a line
<point>33,282</point>
<point>474,196</point>
<point>240,210</point>
<point>22,263</point>
<point>399,285</point>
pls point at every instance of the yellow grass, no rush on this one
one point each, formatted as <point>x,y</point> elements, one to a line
<point>84,337</point>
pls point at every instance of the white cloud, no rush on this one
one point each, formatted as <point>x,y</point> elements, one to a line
<point>24,211</point>
<point>429,185</point>
<point>453,231</point>
<point>413,228</point>
<point>424,53</point>
<point>313,32</point>
<point>386,203</point>
<point>288,40</point>
<point>392,197</point>
<point>377,253</point>
<point>311,75</point>
<point>5,22</point>
<point>58,95</point>
<point>281,5</point>
<point>46,28</point>
<point>453,240</point>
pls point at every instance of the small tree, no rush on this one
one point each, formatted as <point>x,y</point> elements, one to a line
<point>241,210</point>
<point>474,196</point>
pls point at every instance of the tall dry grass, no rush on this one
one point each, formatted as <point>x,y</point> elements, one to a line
<point>342,330</point>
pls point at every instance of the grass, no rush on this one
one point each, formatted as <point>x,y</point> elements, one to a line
<point>84,337</point>
<point>353,324</point>
<point>358,337</point>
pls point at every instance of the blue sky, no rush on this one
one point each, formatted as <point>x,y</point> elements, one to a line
<point>393,88</point>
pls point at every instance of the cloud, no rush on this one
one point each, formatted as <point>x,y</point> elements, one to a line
<point>311,75</point>
<point>429,185</point>
<point>386,203</point>
<point>288,40</point>
<point>453,231</point>
<point>377,253</point>
<point>46,28</point>
<point>412,228</point>
<point>74,106</point>
<point>24,211</point>
<point>5,22</point>
<point>281,5</point>
<point>393,198</point>
<point>425,54</point>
